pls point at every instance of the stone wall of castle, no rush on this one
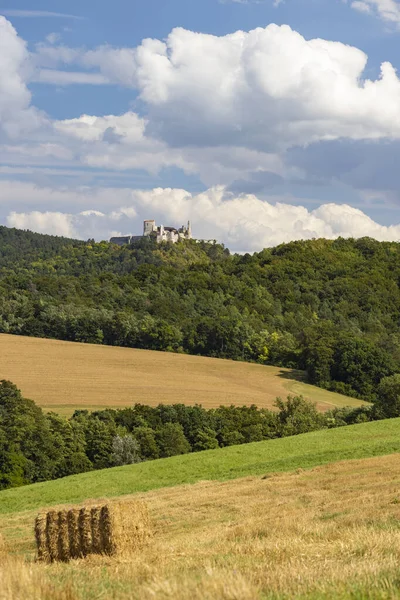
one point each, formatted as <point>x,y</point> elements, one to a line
<point>159,233</point>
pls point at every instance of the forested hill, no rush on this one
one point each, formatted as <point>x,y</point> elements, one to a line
<point>329,307</point>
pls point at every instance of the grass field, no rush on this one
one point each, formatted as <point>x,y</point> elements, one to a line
<point>260,458</point>
<point>331,531</point>
<point>64,376</point>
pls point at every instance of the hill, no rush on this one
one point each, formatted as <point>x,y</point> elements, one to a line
<point>330,531</point>
<point>327,307</point>
<point>261,458</point>
<point>66,376</point>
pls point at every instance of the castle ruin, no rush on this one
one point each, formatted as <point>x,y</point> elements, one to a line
<point>158,233</point>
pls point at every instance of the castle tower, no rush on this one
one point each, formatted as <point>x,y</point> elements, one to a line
<point>148,227</point>
<point>189,230</point>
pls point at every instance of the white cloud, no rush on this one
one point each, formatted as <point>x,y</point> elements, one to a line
<point>244,223</point>
<point>387,10</point>
<point>55,223</point>
<point>225,109</point>
<point>61,78</point>
<point>91,128</point>
<point>267,89</point>
<point>361,6</point>
<point>37,14</point>
<point>53,38</point>
<point>17,116</point>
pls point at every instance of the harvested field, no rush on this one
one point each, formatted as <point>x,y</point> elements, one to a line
<point>65,376</point>
<point>112,529</point>
<point>331,532</point>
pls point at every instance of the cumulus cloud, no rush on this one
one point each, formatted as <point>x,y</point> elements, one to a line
<point>17,116</point>
<point>244,222</point>
<point>229,110</point>
<point>267,89</point>
<point>55,223</point>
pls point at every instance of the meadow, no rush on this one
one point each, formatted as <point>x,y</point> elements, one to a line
<point>257,459</point>
<point>65,376</point>
<point>327,532</point>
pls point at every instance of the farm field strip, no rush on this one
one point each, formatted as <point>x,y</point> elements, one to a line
<point>65,376</point>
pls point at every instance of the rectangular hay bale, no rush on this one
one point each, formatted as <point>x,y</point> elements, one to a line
<point>110,529</point>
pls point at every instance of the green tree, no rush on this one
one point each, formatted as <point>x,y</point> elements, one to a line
<point>387,404</point>
<point>171,440</point>
<point>206,439</point>
<point>297,415</point>
<point>146,438</point>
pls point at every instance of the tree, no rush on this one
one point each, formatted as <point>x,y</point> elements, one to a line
<point>361,365</point>
<point>387,404</point>
<point>297,415</point>
<point>28,452</point>
<point>146,439</point>
<point>206,439</point>
<point>69,438</point>
<point>125,451</point>
<point>99,437</point>
<point>171,440</point>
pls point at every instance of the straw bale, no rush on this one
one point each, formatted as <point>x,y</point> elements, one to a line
<point>125,526</point>
<point>52,535</point>
<point>73,533</point>
<point>85,531</point>
<point>95,514</point>
<point>41,537</point>
<point>63,537</point>
<point>106,530</point>
<point>110,529</point>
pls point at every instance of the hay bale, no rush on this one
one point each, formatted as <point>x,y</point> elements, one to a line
<point>111,529</point>
<point>52,535</point>
<point>41,538</point>
<point>73,533</point>
<point>85,531</point>
<point>95,515</point>
<point>125,527</point>
<point>63,537</point>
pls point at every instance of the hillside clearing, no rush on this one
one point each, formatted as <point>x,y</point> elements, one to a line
<point>272,456</point>
<point>330,532</point>
<point>65,376</point>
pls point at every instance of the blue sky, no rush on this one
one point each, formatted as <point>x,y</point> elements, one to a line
<point>110,114</point>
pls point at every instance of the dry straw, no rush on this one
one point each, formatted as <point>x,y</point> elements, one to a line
<point>3,549</point>
<point>111,529</point>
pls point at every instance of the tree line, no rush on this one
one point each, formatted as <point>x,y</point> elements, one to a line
<point>35,446</point>
<point>328,307</point>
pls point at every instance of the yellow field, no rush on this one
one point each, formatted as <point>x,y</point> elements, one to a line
<point>330,532</point>
<point>64,376</point>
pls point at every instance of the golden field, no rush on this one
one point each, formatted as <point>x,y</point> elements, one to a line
<point>328,532</point>
<point>64,376</point>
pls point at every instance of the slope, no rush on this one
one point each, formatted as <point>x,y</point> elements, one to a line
<point>64,376</point>
<point>261,458</point>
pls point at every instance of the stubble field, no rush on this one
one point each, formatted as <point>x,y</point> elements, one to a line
<point>329,532</point>
<point>65,376</point>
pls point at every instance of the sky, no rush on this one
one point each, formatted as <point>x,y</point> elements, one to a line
<point>261,121</point>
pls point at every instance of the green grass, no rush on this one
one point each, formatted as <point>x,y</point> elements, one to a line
<point>328,399</point>
<point>287,454</point>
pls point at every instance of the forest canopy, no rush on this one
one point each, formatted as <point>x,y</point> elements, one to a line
<point>329,307</point>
